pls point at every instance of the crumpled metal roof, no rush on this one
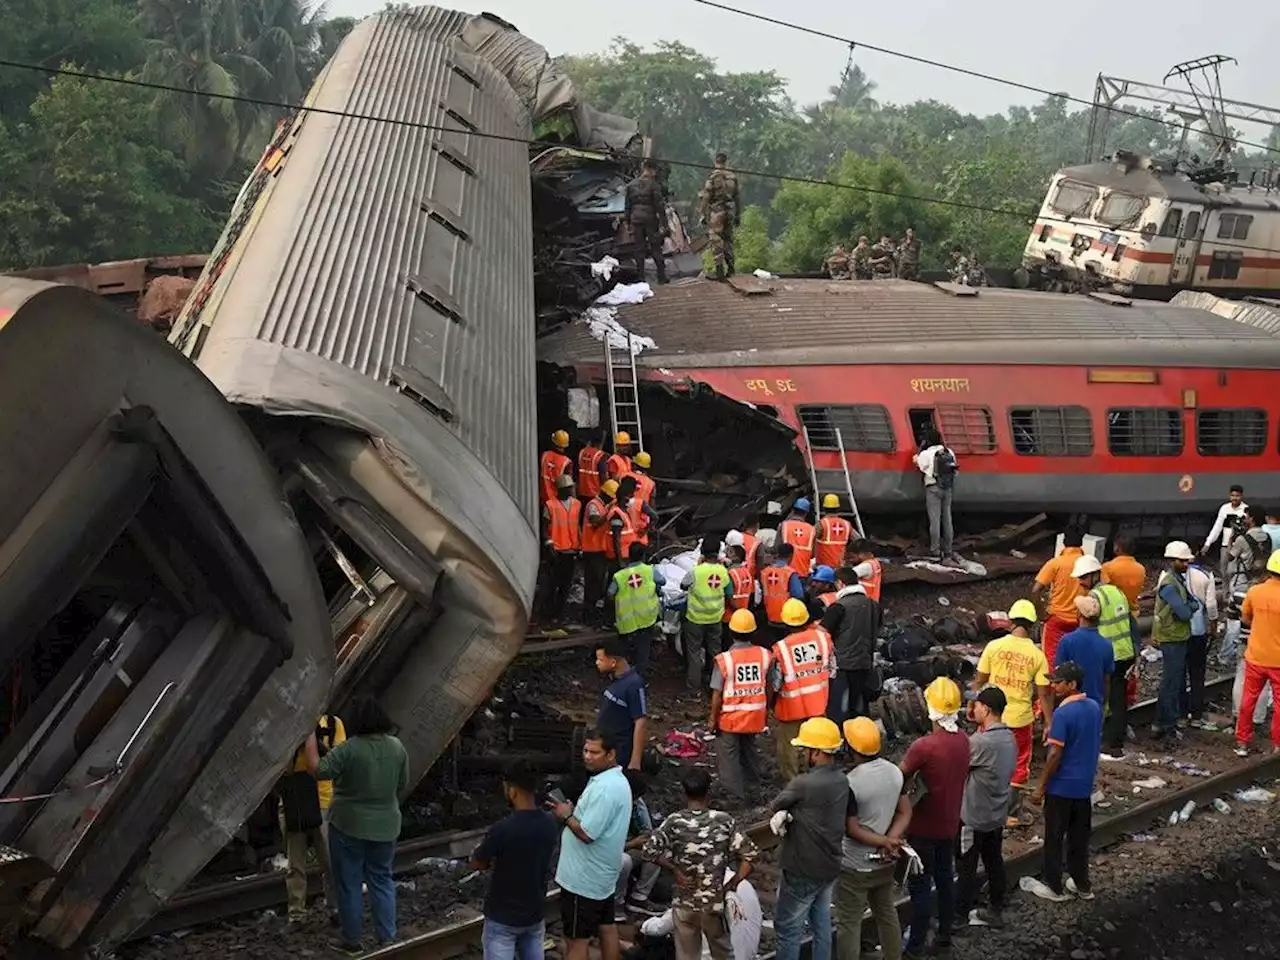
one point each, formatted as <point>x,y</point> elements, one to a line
<point>1260,312</point>
<point>752,322</point>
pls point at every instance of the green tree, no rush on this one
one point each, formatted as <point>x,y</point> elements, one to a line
<point>85,181</point>
<point>751,241</point>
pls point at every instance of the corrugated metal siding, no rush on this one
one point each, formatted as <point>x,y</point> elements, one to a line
<point>1260,313</point>
<point>760,319</point>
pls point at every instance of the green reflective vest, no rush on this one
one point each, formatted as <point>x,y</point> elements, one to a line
<point>1114,623</point>
<point>636,605</point>
<point>1166,628</point>
<point>706,596</point>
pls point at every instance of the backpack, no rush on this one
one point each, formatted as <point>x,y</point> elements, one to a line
<point>945,467</point>
<point>1256,559</point>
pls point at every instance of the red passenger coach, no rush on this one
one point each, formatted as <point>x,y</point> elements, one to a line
<point>1100,405</point>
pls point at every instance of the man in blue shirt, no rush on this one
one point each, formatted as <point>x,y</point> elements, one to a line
<point>595,832</point>
<point>1087,648</point>
<point>1075,742</point>
<point>623,707</point>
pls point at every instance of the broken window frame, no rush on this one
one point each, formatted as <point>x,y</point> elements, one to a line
<point>864,427</point>
<point>1150,432</point>
<point>1069,187</point>
<point>1239,432</point>
<point>1051,431</point>
<point>967,428</point>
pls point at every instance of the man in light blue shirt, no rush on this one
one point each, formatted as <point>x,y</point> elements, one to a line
<point>1272,529</point>
<point>595,833</point>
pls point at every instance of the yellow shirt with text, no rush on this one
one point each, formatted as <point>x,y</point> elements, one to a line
<point>1017,666</point>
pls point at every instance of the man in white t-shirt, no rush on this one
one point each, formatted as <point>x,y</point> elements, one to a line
<point>746,920</point>
<point>1229,514</point>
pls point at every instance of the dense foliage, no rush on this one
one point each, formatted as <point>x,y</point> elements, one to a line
<point>96,171</point>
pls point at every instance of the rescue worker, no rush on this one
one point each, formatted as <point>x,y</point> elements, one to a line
<point>636,590</point>
<point>838,263</point>
<point>1115,624</point>
<point>645,485</point>
<point>746,539</point>
<point>867,567</point>
<point>833,534</point>
<point>720,208</point>
<point>822,591</point>
<point>958,266</point>
<point>1176,606</point>
<point>883,264</point>
<point>853,623</point>
<point>554,464</point>
<point>779,582</point>
<point>1260,612</point>
<point>739,707</point>
<point>861,257</point>
<point>622,533</point>
<point>643,517</point>
<point>798,531</point>
<point>590,462</point>
<point>595,550</point>
<point>1055,576</point>
<point>709,587</point>
<point>746,591</point>
<point>646,212</point>
<point>562,523</point>
<point>619,463</point>
<point>304,821</point>
<point>909,256</point>
<point>799,678</point>
<point>1018,667</point>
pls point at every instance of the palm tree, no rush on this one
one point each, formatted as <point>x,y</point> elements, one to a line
<point>853,92</point>
<point>282,36</point>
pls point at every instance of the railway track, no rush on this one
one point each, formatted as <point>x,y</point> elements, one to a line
<point>225,900</point>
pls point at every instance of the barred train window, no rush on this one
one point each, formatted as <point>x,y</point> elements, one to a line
<point>1231,432</point>
<point>1234,226</point>
<point>966,428</point>
<point>863,427</point>
<point>1144,431</point>
<point>1051,431</point>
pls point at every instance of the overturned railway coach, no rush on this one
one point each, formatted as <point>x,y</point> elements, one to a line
<point>1067,404</point>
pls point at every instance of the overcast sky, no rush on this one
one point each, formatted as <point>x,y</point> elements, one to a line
<point>1058,48</point>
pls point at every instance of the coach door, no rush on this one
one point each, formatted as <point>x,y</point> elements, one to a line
<point>1183,269</point>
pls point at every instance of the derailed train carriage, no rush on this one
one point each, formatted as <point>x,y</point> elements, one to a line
<point>188,583</point>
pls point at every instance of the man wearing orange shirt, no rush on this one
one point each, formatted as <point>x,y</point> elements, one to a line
<point>1060,609</point>
<point>1125,572</point>
<point>1261,613</point>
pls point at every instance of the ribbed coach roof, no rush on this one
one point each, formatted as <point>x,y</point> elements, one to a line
<point>752,322</point>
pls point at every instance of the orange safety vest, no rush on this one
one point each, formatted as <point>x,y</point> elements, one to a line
<point>805,661</point>
<point>617,466</point>
<point>639,519</point>
<point>628,532</point>
<point>743,587</point>
<point>589,461</point>
<point>554,463</point>
<point>744,704</point>
<point>872,584</point>
<point>833,537</point>
<point>749,545</point>
<point>564,529</point>
<point>595,539</point>
<point>799,534</point>
<point>775,585</point>
<point>827,598</point>
<point>645,486</point>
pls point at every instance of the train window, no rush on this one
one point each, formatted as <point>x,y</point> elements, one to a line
<point>1234,226</point>
<point>862,426</point>
<point>1191,226</point>
<point>1144,431</point>
<point>1073,198</point>
<point>1121,208</point>
<point>1225,265</point>
<point>966,427</point>
<point>1231,432</point>
<point>1051,431</point>
<point>1172,221</point>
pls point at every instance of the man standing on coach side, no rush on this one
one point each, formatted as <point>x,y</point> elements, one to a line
<point>646,211</point>
<point>853,623</point>
<point>992,757</point>
<point>720,208</point>
<point>938,463</point>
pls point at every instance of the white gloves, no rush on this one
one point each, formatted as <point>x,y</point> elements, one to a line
<point>778,823</point>
<point>914,863</point>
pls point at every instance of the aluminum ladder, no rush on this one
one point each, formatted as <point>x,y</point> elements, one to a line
<point>624,390</point>
<point>848,480</point>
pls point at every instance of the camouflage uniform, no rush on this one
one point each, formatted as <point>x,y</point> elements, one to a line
<point>718,205</point>
<point>881,262</point>
<point>838,264</point>
<point>700,844</point>
<point>861,261</point>
<point>646,215</point>
<point>909,259</point>
<point>959,268</point>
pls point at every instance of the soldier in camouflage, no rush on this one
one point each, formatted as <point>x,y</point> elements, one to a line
<point>721,210</point>
<point>882,264</point>
<point>647,216</point>
<point>909,256</point>
<point>696,844</point>
<point>861,258</point>
<point>959,266</point>
<point>838,264</point>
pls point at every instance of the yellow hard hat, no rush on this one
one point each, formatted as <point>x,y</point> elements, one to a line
<point>560,438</point>
<point>622,439</point>
<point>863,735</point>
<point>1023,610</point>
<point>1273,564</point>
<point>643,459</point>
<point>609,487</point>
<point>830,502</point>
<point>795,613</point>
<point>742,621</point>
<point>818,733</point>
<point>943,695</point>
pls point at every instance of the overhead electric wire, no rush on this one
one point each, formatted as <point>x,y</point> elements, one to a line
<point>965,71</point>
<point>1025,215</point>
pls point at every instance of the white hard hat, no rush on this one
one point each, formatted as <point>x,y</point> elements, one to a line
<point>1178,550</point>
<point>1085,565</point>
<point>733,538</point>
